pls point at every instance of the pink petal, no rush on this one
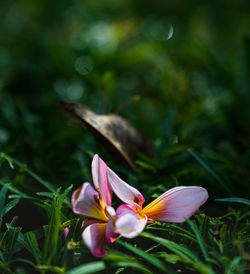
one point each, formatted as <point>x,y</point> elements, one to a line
<point>66,231</point>
<point>109,210</point>
<point>85,202</point>
<point>129,223</point>
<point>176,203</point>
<point>125,192</point>
<point>94,238</point>
<point>99,174</point>
<point>111,233</point>
<point>91,221</point>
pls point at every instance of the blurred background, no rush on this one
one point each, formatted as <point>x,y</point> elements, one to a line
<point>176,70</point>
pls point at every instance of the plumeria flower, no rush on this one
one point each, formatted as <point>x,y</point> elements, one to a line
<point>96,204</point>
<point>174,206</point>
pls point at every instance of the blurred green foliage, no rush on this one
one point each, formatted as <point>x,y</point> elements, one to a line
<point>191,89</point>
<point>176,70</point>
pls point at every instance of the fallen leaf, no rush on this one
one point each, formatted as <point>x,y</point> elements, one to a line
<point>116,134</point>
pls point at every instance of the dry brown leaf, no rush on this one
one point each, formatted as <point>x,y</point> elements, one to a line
<point>117,135</point>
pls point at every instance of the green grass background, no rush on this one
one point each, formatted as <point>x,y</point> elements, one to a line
<point>188,91</point>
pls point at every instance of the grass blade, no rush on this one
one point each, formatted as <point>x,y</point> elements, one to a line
<point>199,238</point>
<point>183,232</point>
<point>134,265</point>
<point>3,193</point>
<point>54,226</point>
<point>210,170</point>
<point>19,194</point>
<point>9,206</point>
<point>88,268</point>
<point>10,247</point>
<point>148,257</point>
<point>183,252</point>
<point>51,269</point>
<point>32,246</point>
<point>119,259</point>
<point>12,161</point>
<point>234,267</point>
<point>234,200</point>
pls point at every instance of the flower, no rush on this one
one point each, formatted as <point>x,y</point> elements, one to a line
<point>96,204</point>
<point>174,205</point>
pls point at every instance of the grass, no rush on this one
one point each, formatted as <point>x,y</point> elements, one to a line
<point>204,244</point>
<point>189,93</point>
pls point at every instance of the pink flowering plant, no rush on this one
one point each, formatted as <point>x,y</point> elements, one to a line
<point>173,206</point>
<point>96,205</point>
<point>129,220</point>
